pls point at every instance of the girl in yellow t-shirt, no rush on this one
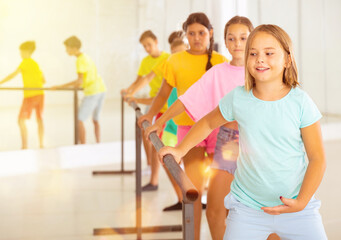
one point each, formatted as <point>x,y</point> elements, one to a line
<point>181,71</point>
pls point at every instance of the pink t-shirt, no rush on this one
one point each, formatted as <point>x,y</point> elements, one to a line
<point>204,95</point>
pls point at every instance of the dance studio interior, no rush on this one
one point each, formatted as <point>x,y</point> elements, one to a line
<point>63,189</point>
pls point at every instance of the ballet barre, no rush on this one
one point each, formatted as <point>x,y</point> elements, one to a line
<point>75,101</point>
<point>189,192</point>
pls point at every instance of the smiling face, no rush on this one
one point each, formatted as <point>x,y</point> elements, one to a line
<point>266,59</point>
<point>235,40</point>
<point>150,46</point>
<point>198,38</point>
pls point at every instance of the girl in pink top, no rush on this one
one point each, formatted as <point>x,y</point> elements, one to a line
<point>200,99</point>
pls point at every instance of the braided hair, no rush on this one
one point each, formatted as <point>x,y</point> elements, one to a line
<point>202,19</point>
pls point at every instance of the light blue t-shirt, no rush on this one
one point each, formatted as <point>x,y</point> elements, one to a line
<point>271,152</point>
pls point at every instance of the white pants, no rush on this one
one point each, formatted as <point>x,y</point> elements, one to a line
<point>245,223</point>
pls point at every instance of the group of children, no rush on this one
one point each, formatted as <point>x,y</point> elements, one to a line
<point>250,118</point>
<point>247,117</point>
<point>93,87</point>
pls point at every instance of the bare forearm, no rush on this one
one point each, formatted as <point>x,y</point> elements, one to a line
<point>201,130</point>
<point>9,77</point>
<point>146,101</point>
<point>141,83</point>
<point>313,144</point>
<point>70,84</point>
<point>312,179</point>
<point>174,110</point>
<point>160,99</point>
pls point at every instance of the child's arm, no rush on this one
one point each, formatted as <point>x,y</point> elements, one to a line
<point>198,132</point>
<point>128,90</point>
<point>312,139</point>
<point>142,82</point>
<point>145,101</point>
<point>77,83</point>
<point>43,79</point>
<point>157,103</point>
<point>12,75</point>
<point>174,110</point>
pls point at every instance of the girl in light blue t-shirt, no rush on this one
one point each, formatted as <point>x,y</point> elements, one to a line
<point>273,189</point>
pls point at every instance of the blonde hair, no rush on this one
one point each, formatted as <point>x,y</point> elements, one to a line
<point>238,20</point>
<point>147,34</point>
<point>28,46</point>
<point>290,75</point>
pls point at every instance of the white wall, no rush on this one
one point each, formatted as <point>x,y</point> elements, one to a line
<point>110,31</point>
<point>313,26</point>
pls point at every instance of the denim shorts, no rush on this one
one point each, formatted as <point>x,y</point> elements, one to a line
<point>245,223</point>
<point>226,150</point>
<point>208,143</point>
<point>91,105</point>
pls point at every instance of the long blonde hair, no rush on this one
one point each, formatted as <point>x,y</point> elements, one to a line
<point>290,75</point>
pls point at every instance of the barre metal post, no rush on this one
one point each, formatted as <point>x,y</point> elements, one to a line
<point>189,192</point>
<point>187,221</point>
<point>122,171</point>
<point>75,109</point>
<point>122,133</point>
<point>138,139</point>
<point>75,102</point>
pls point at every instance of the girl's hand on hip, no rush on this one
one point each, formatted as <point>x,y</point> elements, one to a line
<point>289,206</point>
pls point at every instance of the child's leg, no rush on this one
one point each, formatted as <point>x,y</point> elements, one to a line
<point>147,148</point>
<point>40,132</point>
<point>304,225</point>
<point>81,132</point>
<point>155,167</point>
<point>216,212</point>
<point>99,99</point>
<point>23,132</point>
<point>25,113</point>
<point>195,169</point>
<point>97,131</point>
<point>39,106</point>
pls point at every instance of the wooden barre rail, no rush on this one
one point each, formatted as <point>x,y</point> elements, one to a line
<point>189,192</point>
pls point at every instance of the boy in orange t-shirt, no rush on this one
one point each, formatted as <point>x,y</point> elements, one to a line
<point>33,99</point>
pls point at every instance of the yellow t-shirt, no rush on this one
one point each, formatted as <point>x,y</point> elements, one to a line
<point>147,65</point>
<point>158,70</point>
<point>32,77</point>
<point>92,82</point>
<point>182,70</point>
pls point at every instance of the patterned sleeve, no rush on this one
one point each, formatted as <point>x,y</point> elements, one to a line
<point>198,99</point>
<point>226,105</point>
<point>309,113</point>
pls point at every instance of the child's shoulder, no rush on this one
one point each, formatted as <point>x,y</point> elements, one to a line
<point>299,93</point>
<point>219,58</point>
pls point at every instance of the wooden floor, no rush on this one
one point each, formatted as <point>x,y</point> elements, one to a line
<point>51,194</point>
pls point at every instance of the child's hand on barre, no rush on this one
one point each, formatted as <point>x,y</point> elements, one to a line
<point>154,128</point>
<point>174,151</point>
<point>129,99</point>
<point>143,118</point>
